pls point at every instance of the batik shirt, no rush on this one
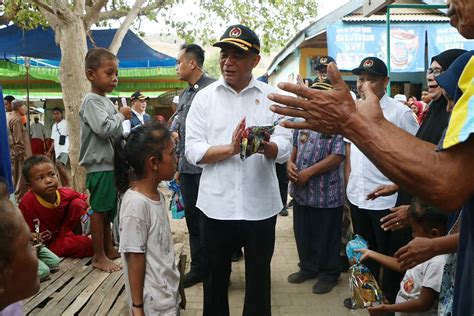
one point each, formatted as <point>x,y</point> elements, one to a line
<point>323,190</point>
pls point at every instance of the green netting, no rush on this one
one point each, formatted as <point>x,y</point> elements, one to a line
<point>10,70</point>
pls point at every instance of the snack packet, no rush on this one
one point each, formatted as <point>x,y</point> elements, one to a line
<point>252,139</point>
<point>176,200</point>
<point>365,291</point>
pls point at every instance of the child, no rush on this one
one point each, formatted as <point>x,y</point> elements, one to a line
<point>100,124</point>
<point>146,244</point>
<point>420,286</point>
<point>54,212</point>
<point>18,262</point>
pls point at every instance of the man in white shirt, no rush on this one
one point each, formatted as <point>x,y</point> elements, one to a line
<point>60,135</point>
<point>239,198</point>
<point>364,177</point>
<point>37,137</point>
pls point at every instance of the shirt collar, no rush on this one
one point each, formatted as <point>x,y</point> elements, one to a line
<point>138,114</point>
<point>46,204</point>
<point>254,83</point>
<point>383,101</point>
<point>198,84</point>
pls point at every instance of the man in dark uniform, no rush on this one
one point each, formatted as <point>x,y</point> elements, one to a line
<point>189,65</point>
<point>321,67</point>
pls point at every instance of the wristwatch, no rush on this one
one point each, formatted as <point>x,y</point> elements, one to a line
<point>137,305</point>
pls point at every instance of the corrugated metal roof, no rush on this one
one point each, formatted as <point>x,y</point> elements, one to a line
<point>396,18</point>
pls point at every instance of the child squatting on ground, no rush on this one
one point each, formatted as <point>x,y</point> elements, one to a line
<point>18,262</point>
<point>142,161</point>
<point>53,214</point>
<point>100,125</point>
<point>420,286</point>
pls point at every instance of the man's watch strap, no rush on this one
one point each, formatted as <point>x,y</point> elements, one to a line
<point>137,305</point>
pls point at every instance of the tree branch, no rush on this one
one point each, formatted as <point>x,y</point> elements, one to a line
<point>44,6</point>
<point>93,13</point>
<point>116,14</point>
<point>79,7</point>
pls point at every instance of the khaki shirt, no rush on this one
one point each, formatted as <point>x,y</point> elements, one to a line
<point>20,145</point>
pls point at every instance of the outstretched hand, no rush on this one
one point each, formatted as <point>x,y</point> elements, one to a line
<point>418,250</point>
<point>325,111</point>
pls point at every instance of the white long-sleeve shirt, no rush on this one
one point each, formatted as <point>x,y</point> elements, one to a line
<point>365,177</point>
<point>234,189</point>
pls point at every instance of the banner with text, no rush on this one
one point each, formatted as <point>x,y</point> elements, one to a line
<point>442,37</point>
<point>349,44</point>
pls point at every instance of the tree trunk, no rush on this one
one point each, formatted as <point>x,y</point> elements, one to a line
<point>71,37</point>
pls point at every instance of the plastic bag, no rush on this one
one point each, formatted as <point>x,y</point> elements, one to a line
<point>176,201</point>
<point>252,139</point>
<point>365,291</point>
<point>356,243</point>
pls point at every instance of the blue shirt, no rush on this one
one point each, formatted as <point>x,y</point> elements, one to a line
<point>323,190</point>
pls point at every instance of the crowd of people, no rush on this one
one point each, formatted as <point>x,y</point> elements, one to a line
<point>352,156</point>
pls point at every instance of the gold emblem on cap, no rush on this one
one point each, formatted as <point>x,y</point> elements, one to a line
<point>257,101</point>
<point>235,32</point>
<point>323,60</point>
<point>368,63</point>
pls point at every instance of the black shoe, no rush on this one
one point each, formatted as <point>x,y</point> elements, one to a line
<point>323,287</point>
<point>284,212</point>
<point>191,279</point>
<point>237,255</point>
<point>349,304</point>
<point>301,276</point>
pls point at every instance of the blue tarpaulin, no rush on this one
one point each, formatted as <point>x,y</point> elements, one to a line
<point>5,166</point>
<point>39,43</point>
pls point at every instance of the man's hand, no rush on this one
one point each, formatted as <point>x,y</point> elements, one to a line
<point>303,177</point>
<point>383,190</point>
<point>127,112</point>
<point>292,171</point>
<point>418,250</point>
<point>237,137</point>
<point>325,111</point>
<point>270,150</point>
<point>397,220</point>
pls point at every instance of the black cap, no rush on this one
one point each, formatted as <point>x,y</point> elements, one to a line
<point>138,96</point>
<point>323,61</point>
<point>371,65</point>
<point>9,98</point>
<point>241,37</point>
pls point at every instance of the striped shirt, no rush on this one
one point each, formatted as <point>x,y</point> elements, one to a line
<point>323,190</point>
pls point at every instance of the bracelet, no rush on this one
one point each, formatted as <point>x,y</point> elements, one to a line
<point>137,305</point>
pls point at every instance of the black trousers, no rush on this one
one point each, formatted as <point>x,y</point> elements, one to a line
<point>282,181</point>
<point>318,240</point>
<point>367,223</point>
<point>189,189</point>
<point>221,237</point>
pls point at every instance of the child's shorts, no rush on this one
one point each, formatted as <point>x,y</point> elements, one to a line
<point>103,195</point>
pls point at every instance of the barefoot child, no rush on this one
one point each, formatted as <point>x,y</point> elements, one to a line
<point>420,286</point>
<point>146,244</point>
<point>100,124</point>
<point>56,213</point>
